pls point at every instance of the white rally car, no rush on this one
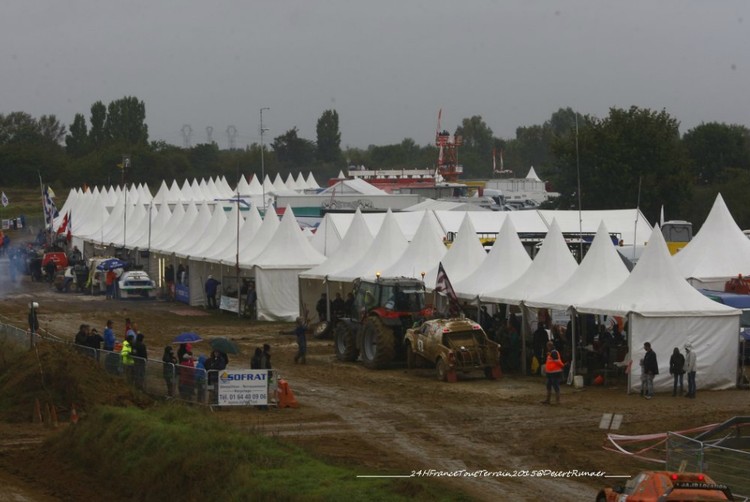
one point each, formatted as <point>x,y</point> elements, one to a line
<point>135,283</point>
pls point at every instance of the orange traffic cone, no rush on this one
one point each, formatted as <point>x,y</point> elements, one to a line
<point>286,396</point>
<point>73,414</point>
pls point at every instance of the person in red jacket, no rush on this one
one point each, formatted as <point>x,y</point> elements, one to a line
<point>553,367</point>
<point>187,376</point>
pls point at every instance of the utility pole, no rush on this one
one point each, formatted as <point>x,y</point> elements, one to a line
<point>125,166</point>
<point>262,162</point>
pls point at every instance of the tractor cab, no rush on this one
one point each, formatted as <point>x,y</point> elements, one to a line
<point>388,296</point>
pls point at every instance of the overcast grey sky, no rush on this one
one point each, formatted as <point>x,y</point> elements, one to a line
<point>386,66</point>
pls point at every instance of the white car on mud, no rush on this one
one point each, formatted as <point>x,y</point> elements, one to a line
<point>135,283</point>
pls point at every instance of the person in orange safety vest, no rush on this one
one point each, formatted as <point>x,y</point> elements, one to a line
<point>553,368</point>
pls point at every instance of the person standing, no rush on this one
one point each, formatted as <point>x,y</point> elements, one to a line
<point>141,356</point>
<point>212,285</point>
<point>169,281</point>
<point>300,332</point>
<point>109,281</point>
<point>539,342</point>
<point>187,376</point>
<point>651,368</point>
<point>677,369</point>
<point>169,361</point>
<point>321,307</point>
<point>255,361</point>
<point>109,337</point>
<point>691,366</point>
<point>553,367</point>
<point>126,355</point>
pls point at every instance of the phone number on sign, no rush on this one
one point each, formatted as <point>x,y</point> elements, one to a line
<point>481,473</point>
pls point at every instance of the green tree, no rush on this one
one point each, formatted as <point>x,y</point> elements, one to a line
<point>126,122</point>
<point>30,147</point>
<point>617,154</point>
<point>77,141</point>
<point>293,151</point>
<point>329,137</point>
<point>713,148</point>
<point>97,134</point>
<point>478,142</point>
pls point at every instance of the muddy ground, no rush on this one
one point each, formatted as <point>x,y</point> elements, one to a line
<point>392,422</point>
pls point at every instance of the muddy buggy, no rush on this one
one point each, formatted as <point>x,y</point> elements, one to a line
<point>382,311</point>
<point>452,346</point>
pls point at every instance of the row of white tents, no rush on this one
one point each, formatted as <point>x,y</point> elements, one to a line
<point>291,266</point>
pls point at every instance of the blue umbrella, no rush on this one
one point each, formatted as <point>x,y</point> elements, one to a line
<point>111,264</point>
<point>187,337</point>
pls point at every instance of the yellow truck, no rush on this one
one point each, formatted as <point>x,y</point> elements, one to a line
<point>453,346</point>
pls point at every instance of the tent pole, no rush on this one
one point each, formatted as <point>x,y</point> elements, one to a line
<point>572,372</point>
<point>524,333</point>
<point>630,349</point>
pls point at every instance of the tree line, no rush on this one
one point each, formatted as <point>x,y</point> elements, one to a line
<point>631,156</point>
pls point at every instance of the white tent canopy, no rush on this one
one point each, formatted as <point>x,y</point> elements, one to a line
<point>505,263</point>
<point>465,255</point>
<point>666,311</point>
<point>423,253</point>
<point>277,270</point>
<point>388,245</point>
<point>354,245</point>
<point>601,271</point>
<point>553,265</point>
<point>719,251</point>
<point>326,238</point>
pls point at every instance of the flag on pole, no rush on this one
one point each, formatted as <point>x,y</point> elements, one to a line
<point>444,287</point>
<point>494,164</point>
<point>4,200</point>
<point>48,205</point>
<point>661,216</point>
<point>64,225</point>
<point>502,167</point>
<point>69,236</point>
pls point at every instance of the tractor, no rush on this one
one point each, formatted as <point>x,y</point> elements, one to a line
<point>382,311</point>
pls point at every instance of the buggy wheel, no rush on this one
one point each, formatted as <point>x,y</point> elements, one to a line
<point>442,370</point>
<point>411,357</point>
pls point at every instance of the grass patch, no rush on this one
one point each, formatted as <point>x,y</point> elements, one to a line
<point>174,451</point>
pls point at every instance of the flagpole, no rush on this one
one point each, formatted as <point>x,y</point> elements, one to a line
<point>45,211</point>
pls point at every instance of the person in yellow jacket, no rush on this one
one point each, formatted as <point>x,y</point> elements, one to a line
<point>126,354</point>
<point>553,368</point>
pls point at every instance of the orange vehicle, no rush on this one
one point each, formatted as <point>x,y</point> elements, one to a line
<point>658,486</point>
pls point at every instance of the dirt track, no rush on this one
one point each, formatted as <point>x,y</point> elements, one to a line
<point>396,421</point>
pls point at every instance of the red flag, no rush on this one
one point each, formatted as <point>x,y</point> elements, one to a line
<point>69,236</point>
<point>443,287</point>
<point>64,225</point>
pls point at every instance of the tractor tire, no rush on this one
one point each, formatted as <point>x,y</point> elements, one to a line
<point>411,357</point>
<point>378,344</point>
<point>321,330</point>
<point>441,368</point>
<point>346,348</point>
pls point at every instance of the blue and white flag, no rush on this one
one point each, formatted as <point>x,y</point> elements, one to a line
<point>50,210</point>
<point>4,200</point>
